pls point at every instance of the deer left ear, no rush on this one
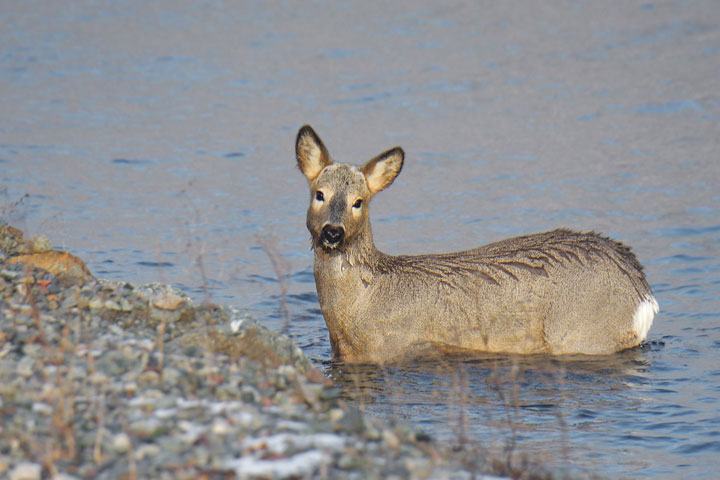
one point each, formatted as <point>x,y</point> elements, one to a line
<point>311,154</point>
<point>381,171</point>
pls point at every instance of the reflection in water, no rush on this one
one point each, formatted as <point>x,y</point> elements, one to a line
<point>625,365</point>
<point>478,376</point>
<point>541,406</point>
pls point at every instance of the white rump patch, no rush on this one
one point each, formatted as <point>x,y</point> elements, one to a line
<point>643,317</point>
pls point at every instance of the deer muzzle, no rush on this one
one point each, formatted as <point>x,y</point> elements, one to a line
<point>332,236</point>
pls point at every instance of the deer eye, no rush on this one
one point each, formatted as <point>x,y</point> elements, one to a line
<point>319,196</point>
<point>357,203</point>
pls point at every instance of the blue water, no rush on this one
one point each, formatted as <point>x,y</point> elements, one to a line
<point>156,140</point>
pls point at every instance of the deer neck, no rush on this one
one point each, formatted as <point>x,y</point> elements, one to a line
<point>342,278</point>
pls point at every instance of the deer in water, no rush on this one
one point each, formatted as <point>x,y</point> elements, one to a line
<point>558,292</point>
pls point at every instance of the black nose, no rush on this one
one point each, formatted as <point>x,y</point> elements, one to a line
<point>332,235</point>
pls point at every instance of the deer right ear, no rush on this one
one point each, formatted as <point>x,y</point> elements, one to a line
<point>311,154</point>
<point>382,170</point>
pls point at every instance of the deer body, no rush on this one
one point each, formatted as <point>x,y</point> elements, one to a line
<point>558,292</point>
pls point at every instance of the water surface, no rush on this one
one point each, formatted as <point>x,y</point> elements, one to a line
<point>155,140</point>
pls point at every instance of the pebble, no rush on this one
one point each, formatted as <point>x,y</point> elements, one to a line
<point>39,244</point>
<point>26,471</point>
<point>148,377</point>
<point>336,414</point>
<point>111,305</point>
<point>220,426</point>
<point>168,301</point>
<point>147,450</point>
<point>121,443</point>
<point>9,274</point>
<point>42,408</point>
<point>25,367</point>
<point>96,303</point>
<point>64,476</point>
<point>390,440</point>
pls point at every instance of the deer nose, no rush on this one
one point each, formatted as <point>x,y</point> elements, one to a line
<point>332,235</point>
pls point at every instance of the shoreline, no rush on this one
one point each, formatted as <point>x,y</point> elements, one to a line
<point>102,379</point>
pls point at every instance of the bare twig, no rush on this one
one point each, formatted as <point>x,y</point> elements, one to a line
<point>9,209</point>
<point>281,267</point>
<point>195,241</point>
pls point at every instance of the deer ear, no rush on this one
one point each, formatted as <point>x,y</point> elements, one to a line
<point>311,154</point>
<point>382,170</point>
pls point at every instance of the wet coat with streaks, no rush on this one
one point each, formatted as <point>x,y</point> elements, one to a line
<point>558,292</point>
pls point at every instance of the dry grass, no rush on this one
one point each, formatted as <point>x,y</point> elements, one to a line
<point>12,211</point>
<point>58,391</point>
<point>483,400</point>
<point>282,269</point>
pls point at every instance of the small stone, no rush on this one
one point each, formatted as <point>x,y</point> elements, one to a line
<point>191,432</point>
<point>130,388</point>
<point>98,378</point>
<point>202,455</point>
<point>148,377</point>
<point>171,376</point>
<point>31,349</point>
<point>87,470</point>
<point>64,476</point>
<point>220,426</point>
<point>40,244</point>
<point>70,301</point>
<point>336,414</point>
<point>146,450</point>
<point>168,301</point>
<point>9,274</point>
<point>125,305</point>
<point>26,471</point>
<point>83,303</point>
<point>249,394</point>
<point>371,432</point>
<point>390,439</point>
<point>96,303</point>
<point>418,466</point>
<point>146,428</point>
<point>287,371</point>
<point>348,462</point>
<point>25,367</point>
<point>42,408</point>
<point>112,305</point>
<point>236,324</point>
<point>121,443</point>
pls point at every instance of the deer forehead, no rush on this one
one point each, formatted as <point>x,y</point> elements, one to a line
<point>340,177</point>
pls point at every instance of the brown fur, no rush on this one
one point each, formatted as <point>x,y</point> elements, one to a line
<point>558,292</point>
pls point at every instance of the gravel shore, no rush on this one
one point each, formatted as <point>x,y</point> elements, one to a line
<point>106,380</point>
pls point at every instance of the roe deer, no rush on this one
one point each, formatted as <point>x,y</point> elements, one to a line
<point>558,292</point>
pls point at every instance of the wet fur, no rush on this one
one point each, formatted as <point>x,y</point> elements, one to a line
<point>557,292</point>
